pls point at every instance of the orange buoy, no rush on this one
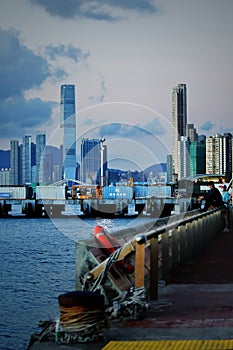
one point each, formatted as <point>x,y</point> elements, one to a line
<point>109,244</point>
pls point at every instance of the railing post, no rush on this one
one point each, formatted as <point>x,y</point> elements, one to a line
<point>199,235</point>
<point>175,250</point>
<point>220,221</point>
<point>139,265</point>
<point>165,257</point>
<point>209,225</point>
<point>189,234</point>
<point>183,243</point>
<point>195,236</point>
<point>154,276</point>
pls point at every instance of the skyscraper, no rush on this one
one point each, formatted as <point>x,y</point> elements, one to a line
<point>219,154</point>
<point>26,160</point>
<point>91,160</point>
<point>183,157</point>
<point>197,158</point>
<point>179,121</point>
<point>40,148</point>
<point>14,162</point>
<point>68,124</point>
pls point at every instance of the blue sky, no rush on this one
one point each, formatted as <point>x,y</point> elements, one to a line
<point>124,57</point>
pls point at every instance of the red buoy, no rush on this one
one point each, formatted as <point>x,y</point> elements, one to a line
<point>109,244</point>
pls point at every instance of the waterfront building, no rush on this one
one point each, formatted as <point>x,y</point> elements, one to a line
<point>213,154</point>
<point>219,154</point>
<point>5,177</point>
<point>68,125</point>
<point>14,162</point>
<point>197,152</point>
<point>183,159</point>
<point>210,151</point>
<point>179,123</point>
<point>20,164</point>
<point>33,154</point>
<point>91,160</point>
<point>169,168</point>
<point>40,148</point>
<point>26,160</point>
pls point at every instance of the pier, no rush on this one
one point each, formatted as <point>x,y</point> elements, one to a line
<point>185,266</point>
<point>60,201</point>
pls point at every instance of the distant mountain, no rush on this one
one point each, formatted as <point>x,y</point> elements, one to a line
<point>4,159</point>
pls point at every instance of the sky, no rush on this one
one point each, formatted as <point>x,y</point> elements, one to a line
<point>124,57</point>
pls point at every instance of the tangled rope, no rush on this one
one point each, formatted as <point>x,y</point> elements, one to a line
<point>81,319</point>
<point>81,324</point>
<point>130,305</point>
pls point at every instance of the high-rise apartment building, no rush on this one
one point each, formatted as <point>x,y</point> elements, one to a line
<point>219,154</point>
<point>197,153</point>
<point>40,166</point>
<point>14,162</point>
<point>26,160</point>
<point>5,177</point>
<point>213,154</point>
<point>68,124</point>
<point>91,160</point>
<point>179,122</point>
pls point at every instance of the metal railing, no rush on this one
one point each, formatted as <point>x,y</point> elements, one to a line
<point>172,244</point>
<point>159,250</point>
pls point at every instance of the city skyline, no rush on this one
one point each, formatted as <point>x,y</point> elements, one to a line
<point>187,135</point>
<point>34,163</point>
<point>125,61</point>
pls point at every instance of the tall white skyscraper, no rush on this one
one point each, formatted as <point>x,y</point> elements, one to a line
<point>179,122</point>
<point>68,124</point>
<point>184,159</point>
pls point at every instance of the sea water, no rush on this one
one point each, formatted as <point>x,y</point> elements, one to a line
<point>37,263</point>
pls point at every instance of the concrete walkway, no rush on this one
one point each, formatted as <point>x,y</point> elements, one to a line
<point>196,304</point>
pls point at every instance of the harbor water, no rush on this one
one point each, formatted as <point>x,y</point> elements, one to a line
<point>37,259</point>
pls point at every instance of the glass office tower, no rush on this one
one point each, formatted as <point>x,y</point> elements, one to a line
<point>68,124</point>
<point>91,160</point>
